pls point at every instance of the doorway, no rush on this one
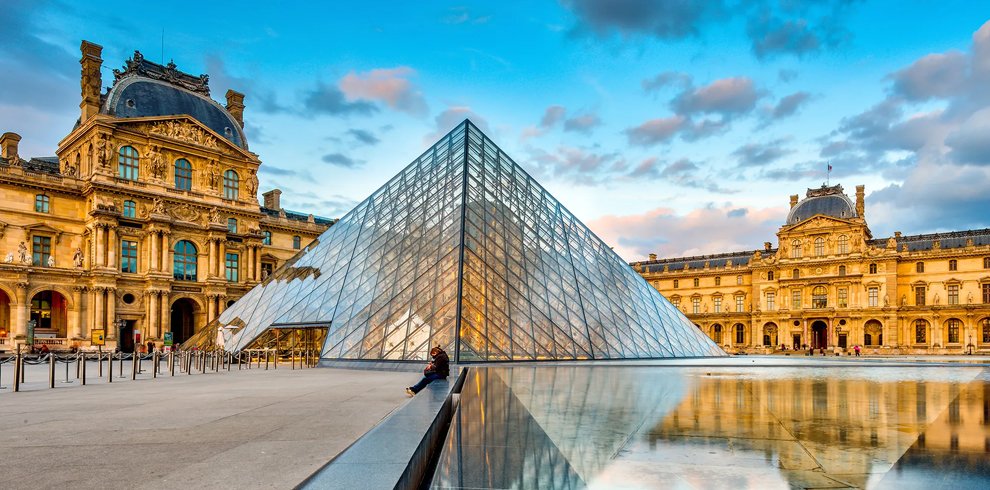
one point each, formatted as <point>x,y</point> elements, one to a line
<point>797,341</point>
<point>125,340</point>
<point>819,335</point>
<point>182,320</point>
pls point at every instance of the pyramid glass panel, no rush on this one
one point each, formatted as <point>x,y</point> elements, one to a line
<point>464,250</point>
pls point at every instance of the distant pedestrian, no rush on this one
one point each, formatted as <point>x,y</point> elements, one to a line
<point>439,368</point>
<point>856,349</point>
<point>151,347</point>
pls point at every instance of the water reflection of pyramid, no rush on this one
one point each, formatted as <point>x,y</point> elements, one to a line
<point>464,240</point>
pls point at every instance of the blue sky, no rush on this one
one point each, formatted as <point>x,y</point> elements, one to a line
<point>668,126</point>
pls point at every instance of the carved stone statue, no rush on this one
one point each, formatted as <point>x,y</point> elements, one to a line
<point>159,206</point>
<point>891,243</point>
<point>77,258</point>
<point>903,299</point>
<point>252,185</point>
<point>886,300</point>
<point>936,298</point>
<point>104,151</point>
<point>213,173</point>
<point>156,163</point>
<point>22,254</point>
<point>51,261</point>
<point>214,215</point>
<point>969,298</point>
<point>9,259</point>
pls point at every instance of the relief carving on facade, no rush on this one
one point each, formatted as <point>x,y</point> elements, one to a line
<point>184,212</point>
<point>184,132</point>
<point>156,162</point>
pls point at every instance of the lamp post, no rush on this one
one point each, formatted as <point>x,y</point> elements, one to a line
<point>969,346</point>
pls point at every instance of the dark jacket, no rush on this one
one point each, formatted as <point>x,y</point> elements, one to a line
<point>440,364</point>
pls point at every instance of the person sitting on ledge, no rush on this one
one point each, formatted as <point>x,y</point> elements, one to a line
<point>439,368</point>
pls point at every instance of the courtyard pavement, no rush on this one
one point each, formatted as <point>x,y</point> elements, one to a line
<point>238,429</point>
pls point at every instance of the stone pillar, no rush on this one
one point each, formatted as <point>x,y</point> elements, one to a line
<point>249,264</point>
<point>111,317</point>
<point>211,310</point>
<point>165,318</point>
<point>112,248</point>
<point>77,317</point>
<point>98,238</point>
<point>166,264</point>
<point>153,311</point>
<point>100,318</point>
<point>21,312</point>
<point>221,304</point>
<point>222,255</point>
<point>155,256</point>
<point>210,244</point>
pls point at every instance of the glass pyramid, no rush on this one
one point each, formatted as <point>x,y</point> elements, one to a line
<point>464,250</point>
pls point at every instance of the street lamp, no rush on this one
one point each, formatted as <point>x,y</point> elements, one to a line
<point>969,347</point>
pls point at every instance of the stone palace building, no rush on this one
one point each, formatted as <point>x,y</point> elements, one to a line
<point>829,284</point>
<point>147,219</point>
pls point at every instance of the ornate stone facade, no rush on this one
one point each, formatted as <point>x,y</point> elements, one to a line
<point>828,284</point>
<point>144,222</point>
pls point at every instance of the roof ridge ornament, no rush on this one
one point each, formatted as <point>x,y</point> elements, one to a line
<point>825,190</point>
<point>137,65</point>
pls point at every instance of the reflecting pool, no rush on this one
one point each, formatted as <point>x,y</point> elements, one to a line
<point>806,425</point>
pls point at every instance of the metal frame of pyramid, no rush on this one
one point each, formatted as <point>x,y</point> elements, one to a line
<point>464,250</point>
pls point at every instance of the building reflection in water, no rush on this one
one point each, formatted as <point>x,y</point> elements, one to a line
<point>695,427</point>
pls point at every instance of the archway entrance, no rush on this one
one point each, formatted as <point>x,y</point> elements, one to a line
<point>819,335</point>
<point>182,320</point>
<point>4,314</point>
<point>48,312</point>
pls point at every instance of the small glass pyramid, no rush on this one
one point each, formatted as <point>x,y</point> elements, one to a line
<point>464,250</point>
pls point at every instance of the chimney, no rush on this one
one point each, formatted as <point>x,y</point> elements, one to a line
<point>767,246</point>
<point>91,81</point>
<point>235,106</point>
<point>653,256</point>
<point>8,147</point>
<point>860,200</point>
<point>897,234</point>
<point>794,199</point>
<point>273,199</point>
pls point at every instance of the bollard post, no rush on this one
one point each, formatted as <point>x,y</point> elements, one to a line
<point>78,364</point>
<point>66,370</point>
<point>134,365</point>
<point>138,357</point>
<point>154,370</point>
<point>51,371</point>
<point>120,372</point>
<point>99,359</point>
<point>267,355</point>
<point>171,363</point>
<point>109,367</point>
<point>83,369</point>
<point>17,370</point>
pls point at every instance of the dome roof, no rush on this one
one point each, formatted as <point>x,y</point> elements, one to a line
<point>146,89</point>
<point>828,201</point>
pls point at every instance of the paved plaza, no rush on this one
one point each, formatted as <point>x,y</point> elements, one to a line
<point>237,429</point>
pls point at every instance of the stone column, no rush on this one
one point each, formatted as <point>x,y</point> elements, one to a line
<point>100,318</point>
<point>166,264</point>
<point>154,256</point>
<point>221,304</point>
<point>210,244</point>
<point>164,319</point>
<point>222,255</point>
<point>98,238</point>
<point>111,317</point>
<point>21,312</point>
<point>77,317</point>
<point>210,307</point>
<point>249,263</point>
<point>112,246</point>
<point>153,311</point>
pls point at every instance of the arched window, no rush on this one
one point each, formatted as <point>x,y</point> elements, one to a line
<point>717,333</point>
<point>819,247</point>
<point>130,209</point>
<point>843,244</point>
<point>842,270</point>
<point>183,175</point>
<point>231,184</point>
<point>296,242</point>
<point>796,274</point>
<point>770,276</point>
<point>920,332</point>
<point>184,263</point>
<point>41,203</point>
<point>985,330</point>
<point>873,268</point>
<point>873,333</point>
<point>919,267</point>
<point>952,327</point>
<point>795,249</point>
<point>819,297</point>
<point>267,240</point>
<point>127,163</point>
<point>740,333</point>
<point>953,264</point>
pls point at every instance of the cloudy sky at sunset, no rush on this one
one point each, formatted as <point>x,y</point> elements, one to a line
<point>669,126</point>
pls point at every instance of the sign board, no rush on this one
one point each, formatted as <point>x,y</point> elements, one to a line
<point>30,336</point>
<point>99,336</point>
<point>137,336</point>
<point>168,339</point>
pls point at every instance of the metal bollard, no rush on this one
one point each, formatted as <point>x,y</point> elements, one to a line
<point>120,373</point>
<point>99,361</point>
<point>109,367</point>
<point>78,364</point>
<point>51,371</point>
<point>134,365</point>
<point>267,355</point>
<point>17,370</point>
<point>66,370</point>
<point>171,363</point>
<point>154,370</point>
<point>83,370</point>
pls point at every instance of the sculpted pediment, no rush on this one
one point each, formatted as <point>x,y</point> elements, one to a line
<point>43,228</point>
<point>819,222</point>
<point>184,130</point>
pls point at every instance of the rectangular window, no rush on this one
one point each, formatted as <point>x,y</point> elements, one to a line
<point>695,305</point>
<point>919,296</point>
<point>953,265</point>
<point>718,304</point>
<point>41,246</point>
<point>953,294</point>
<point>128,256</point>
<point>986,293</point>
<point>771,300</point>
<point>796,299</point>
<point>231,267</point>
<point>676,282</point>
<point>740,334</point>
<point>739,304</point>
<point>266,269</point>
<point>874,295</point>
<point>718,281</point>
<point>739,281</point>
<point>843,294</point>
<point>954,331</point>
<point>232,225</point>
<point>696,282</point>
<point>920,332</point>
<point>676,302</point>
<point>268,238</point>
<point>41,203</point>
